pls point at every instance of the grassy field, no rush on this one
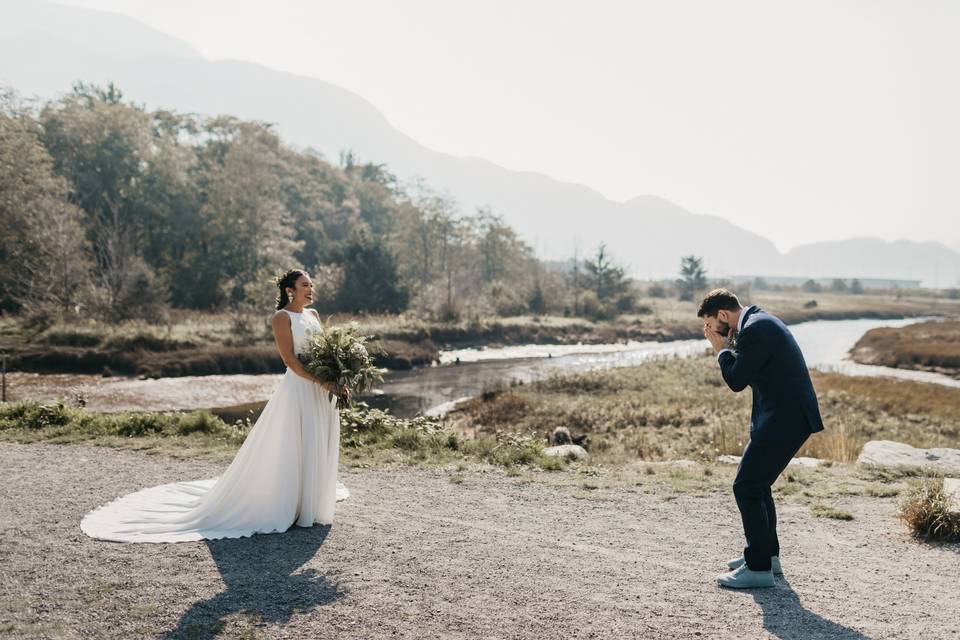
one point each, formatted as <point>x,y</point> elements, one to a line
<point>926,346</point>
<point>682,409</point>
<point>194,343</point>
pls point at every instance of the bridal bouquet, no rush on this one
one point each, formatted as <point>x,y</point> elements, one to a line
<point>343,356</point>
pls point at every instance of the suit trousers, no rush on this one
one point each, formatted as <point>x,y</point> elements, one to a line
<point>759,469</point>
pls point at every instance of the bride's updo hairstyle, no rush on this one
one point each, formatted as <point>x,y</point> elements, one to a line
<point>288,279</point>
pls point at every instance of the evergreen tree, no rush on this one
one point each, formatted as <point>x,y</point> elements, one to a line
<point>603,276</point>
<point>371,281</point>
<point>693,277</point>
<point>839,286</point>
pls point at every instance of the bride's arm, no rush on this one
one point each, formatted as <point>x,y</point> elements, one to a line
<point>283,336</point>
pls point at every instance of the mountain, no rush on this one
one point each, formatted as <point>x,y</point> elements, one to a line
<point>929,262</point>
<point>45,47</point>
<point>51,32</point>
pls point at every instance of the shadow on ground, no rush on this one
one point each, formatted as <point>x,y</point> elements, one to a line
<point>785,617</point>
<point>262,582</point>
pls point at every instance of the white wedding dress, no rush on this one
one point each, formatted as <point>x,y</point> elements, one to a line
<point>285,473</point>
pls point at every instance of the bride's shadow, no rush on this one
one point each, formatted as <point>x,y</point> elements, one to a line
<point>262,581</point>
<point>785,617</point>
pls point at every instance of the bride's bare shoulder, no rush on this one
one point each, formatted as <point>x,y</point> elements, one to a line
<point>280,318</point>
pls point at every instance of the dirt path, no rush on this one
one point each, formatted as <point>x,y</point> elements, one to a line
<point>414,555</point>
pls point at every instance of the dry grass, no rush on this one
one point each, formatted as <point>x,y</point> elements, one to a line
<point>681,409</point>
<point>930,346</point>
<point>926,511</point>
<point>826,511</point>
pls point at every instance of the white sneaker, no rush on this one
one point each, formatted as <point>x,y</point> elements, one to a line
<point>774,564</point>
<point>744,578</point>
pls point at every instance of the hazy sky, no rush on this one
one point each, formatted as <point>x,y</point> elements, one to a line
<point>799,120</point>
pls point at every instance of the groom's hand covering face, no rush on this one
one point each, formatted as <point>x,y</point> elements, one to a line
<point>717,324</point>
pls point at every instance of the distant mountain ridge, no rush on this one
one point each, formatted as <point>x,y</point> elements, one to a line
<point>45,47</point>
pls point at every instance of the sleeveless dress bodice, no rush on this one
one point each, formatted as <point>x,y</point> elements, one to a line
<point>302,325</point>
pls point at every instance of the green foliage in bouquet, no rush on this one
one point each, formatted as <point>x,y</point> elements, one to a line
<point>345,357</point>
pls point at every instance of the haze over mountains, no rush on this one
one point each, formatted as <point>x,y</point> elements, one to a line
<point>44,48</point>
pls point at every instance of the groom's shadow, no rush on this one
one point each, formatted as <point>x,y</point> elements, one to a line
<point>786,618</point>
<point>262,581</point>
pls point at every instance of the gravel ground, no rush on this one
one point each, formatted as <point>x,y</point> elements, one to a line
<point>416,555</point>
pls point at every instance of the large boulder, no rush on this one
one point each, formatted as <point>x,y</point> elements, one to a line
<point>887,453</point>
<point>796,462</point>
<point>951,487</point>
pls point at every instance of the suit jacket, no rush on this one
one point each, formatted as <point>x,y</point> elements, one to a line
<point>769,361</point>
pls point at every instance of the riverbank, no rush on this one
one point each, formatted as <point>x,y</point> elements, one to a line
<point>196,344</point>
<point>656,412</point>
<point>925,346</point>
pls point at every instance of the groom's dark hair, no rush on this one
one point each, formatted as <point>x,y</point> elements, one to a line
<point>715,301</point>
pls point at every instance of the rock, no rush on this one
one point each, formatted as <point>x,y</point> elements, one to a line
<point>682,463</point>
<point>951,487</point>
<point>573,451</point>
<point>887,453</point>
<point>443,409</point>
<point>796,462</point>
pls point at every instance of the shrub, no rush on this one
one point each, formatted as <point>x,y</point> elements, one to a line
<point>34,416</point>
<point>926,511</point>
<point>553,463</point>
<point>656,291</point>
<point>141,341</point>
<point>510,449</point>
<point>506,300</point>
<point>61,420</point>
<point>70,338</point>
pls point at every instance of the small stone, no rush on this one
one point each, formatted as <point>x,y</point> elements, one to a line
<point>796,462</point>
<point>574,451</point>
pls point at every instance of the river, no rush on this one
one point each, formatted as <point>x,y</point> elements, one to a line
<point>462,373</point>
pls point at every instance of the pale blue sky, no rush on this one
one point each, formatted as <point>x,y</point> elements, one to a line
<point>800,121</point>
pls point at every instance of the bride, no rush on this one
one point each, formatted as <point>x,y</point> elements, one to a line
<point>285,473</point>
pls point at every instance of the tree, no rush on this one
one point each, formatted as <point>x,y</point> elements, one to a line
<point>811,286</point>
<point>839,286</point>
<point>206,210</point>
<point>856,287</point>
<point>102,147</point>
<point>693,277</point>
<point>537,302</point>
<point>656,290</point>
<point>371,282</point>
<point>504,255</point>
<point>244,233</point>
<point>44,257</point>
<point>603,276</point>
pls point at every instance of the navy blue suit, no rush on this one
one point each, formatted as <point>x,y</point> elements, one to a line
<point>784,414</point>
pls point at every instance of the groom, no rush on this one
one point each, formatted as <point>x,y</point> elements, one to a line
<point>756,349</point>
